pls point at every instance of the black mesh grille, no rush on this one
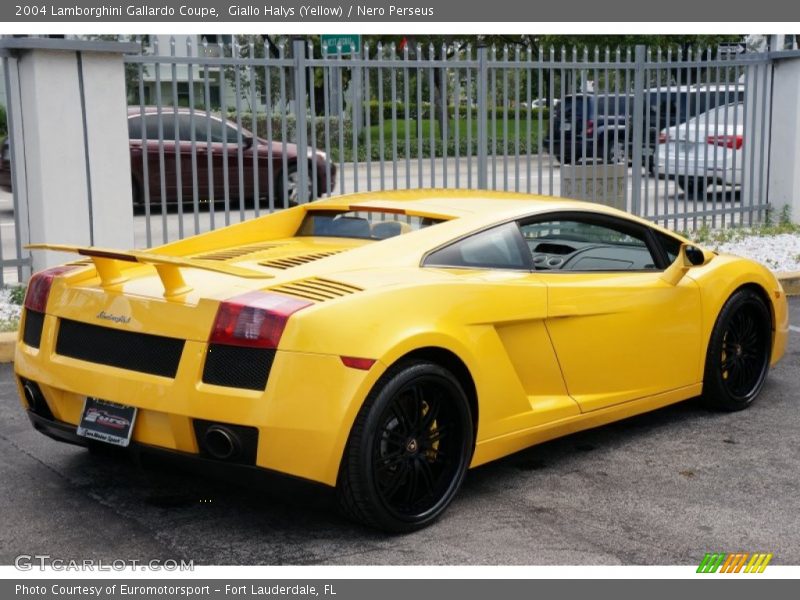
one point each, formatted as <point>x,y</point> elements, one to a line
<point>32,334</point>
<point>233,366</point>
<point>142,352</point>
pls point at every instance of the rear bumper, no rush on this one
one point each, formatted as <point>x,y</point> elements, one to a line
<point>302,421</point>
<point>273,480</point>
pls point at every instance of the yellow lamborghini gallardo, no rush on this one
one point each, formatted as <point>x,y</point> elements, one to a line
<point>383,343</point>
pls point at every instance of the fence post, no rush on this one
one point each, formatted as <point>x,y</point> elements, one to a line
<point>483,119</point>
<point>783,145</point>
<point>638,125</point>
<point>71,158</point>
<point>299,54</point>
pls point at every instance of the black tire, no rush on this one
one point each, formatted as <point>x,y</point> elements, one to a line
<point>615,153</point>
<point>293,187</point>
<point>693,186</point>
<point>409,449</point>
<point>136,195</point>
<point>738,356</point>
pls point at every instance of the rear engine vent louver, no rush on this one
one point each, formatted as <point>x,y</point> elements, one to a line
<point>295,261</point>
<point>237,252</point>
<point>316,289</point>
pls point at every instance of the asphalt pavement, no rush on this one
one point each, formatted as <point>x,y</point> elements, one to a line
<point>662,488</point>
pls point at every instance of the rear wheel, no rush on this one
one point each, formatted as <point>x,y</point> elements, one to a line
<point>409,449</point>
<point>693,186</point>
<point>293,186</point>
<point>137,196</point>
<point>738,354</point>
<point>616,152</point>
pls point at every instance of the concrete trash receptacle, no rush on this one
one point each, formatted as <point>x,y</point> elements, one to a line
<point>599,182</point>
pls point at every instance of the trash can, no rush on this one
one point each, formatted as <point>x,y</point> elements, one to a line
<point>598,181</point>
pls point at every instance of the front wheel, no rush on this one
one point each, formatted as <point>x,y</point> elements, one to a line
<point>409,449</point>
<point>738,354</point>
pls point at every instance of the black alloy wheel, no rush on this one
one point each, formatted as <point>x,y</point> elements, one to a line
<point>409,449</point>
<point>738,353</point>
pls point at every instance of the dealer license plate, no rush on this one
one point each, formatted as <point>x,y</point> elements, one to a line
<point>106,421</point>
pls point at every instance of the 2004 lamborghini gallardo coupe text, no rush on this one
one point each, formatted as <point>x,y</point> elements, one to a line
<point>383,343</point>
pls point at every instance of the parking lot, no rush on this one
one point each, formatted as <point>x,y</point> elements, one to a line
<point>662,488</point>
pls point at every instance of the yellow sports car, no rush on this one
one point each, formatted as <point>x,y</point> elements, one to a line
<point>383,343</point>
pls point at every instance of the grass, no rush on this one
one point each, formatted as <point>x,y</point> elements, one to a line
<point>422,130</point>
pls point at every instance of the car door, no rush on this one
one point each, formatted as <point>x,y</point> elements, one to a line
<point>505,307</point>
<point>619,330</point>
<point>153,145</point>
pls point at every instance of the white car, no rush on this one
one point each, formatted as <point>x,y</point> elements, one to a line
<point>705,152</point>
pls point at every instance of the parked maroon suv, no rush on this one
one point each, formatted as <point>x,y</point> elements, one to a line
<point>220,147</point>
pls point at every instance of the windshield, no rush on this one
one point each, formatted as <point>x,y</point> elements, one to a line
<point>365,225</point>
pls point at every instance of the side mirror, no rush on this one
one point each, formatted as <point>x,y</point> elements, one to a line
<point>247,142</point>
<point>694,255</point>
<point>689,256</point>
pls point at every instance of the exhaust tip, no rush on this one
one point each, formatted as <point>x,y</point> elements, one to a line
<point>30,396</point>
<point>221,443</point>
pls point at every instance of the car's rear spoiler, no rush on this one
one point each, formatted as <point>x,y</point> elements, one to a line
<point>107,261</point>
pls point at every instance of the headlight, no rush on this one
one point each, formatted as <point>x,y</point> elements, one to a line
<point>321,155</point>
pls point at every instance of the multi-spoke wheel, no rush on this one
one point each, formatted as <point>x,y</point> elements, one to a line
<point>738,352</point>
<point>409,449</point>
<point>293,184</point>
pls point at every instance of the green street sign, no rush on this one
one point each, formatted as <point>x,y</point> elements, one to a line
<point>350,44</point>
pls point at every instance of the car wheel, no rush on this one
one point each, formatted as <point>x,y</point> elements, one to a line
<point>738,354</point>
<point>616,152</point>
<point>293,186</point>
<point>409,449</point>
<point>693,186</point>
<point>136,193</point>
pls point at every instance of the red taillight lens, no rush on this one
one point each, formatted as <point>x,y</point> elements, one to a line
<point>729,141</point>
<point>254,320</point>
<point>589,127</point>
<point>39,287</point>
<point>663,137</point>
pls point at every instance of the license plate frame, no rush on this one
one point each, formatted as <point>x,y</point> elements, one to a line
<point>107,422</point>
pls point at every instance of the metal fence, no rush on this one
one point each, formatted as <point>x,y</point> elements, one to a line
<point>678,137</point>
<point>222,132</point>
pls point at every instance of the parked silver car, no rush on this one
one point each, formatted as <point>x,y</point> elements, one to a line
<point>705,152</point>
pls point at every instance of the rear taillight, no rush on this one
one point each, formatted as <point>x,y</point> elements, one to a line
<point>254,319</point>
<point>729,141</point>
<point>39,287</point>
<point>589,127</point>
<point>663,137</point>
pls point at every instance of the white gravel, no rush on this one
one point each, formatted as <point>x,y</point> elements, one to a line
<point>778,252</point>
<point>8,311</point>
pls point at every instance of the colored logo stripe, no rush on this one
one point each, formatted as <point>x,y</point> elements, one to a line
<point>733,563</point>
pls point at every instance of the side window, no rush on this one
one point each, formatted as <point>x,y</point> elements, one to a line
<point>220,131</point>
<point>497,248</point>
<point>578,244</point>
<point>135,128</point>
<point>151,127</point>
<point>670,245</point>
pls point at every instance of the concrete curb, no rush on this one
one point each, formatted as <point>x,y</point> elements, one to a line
<point>8,340</point>
<point>790,281</point>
